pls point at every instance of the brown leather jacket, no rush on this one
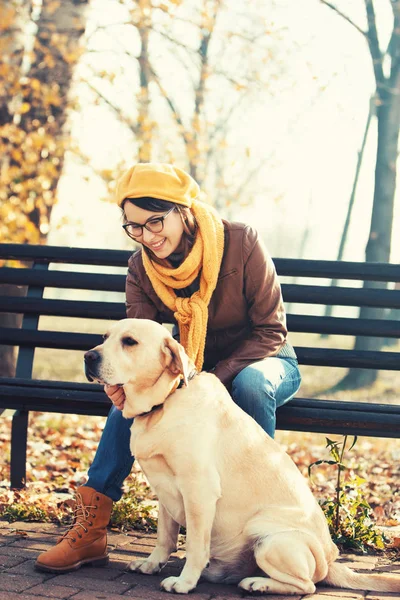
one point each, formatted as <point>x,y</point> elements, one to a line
<point>246,316</point>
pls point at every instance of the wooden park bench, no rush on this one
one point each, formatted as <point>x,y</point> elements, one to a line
<point>22,393</point>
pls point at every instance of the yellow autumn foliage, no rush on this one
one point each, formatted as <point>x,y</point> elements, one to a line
<point>32,121</point>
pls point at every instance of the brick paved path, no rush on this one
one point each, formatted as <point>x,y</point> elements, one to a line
<point>20,543</point>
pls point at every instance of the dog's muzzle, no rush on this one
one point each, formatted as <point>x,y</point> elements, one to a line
<point>92,364</point>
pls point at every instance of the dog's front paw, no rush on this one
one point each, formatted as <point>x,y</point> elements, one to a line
<point>146,566</point>
<point>176,585</point>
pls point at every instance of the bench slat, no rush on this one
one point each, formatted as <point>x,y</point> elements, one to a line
<point>22,382</point>
<point>50,399</point>
<point>116,310</point>
<point>49,339</point>
<point>65,254</point>
<point>325,269</point>
<point>301,414</point>
<point>331,269</point>
<point>340,296</point>
<point>61,387</point>
<point>64,279</point>
<point>358,359</point>
<point>300,418</point>
<point>333,357</point>
<point>64,308</point>
<point>302,294</point>
<point>343,326</point>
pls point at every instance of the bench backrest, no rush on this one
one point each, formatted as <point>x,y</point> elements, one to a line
<point>299,290</point>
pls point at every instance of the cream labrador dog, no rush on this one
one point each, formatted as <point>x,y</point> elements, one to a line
<point>249,514</point>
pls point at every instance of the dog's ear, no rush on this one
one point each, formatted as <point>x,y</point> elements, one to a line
<point>180,360</point>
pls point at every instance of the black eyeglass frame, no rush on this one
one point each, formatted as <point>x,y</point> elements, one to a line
<point>151,219</point>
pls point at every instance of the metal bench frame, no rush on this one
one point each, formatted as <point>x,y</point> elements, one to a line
<point>23,394</point>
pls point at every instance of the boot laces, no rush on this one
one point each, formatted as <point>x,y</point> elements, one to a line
<point>81,518</point>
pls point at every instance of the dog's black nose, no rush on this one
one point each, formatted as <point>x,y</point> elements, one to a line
<point>91,357</point>
<point>92,364</point>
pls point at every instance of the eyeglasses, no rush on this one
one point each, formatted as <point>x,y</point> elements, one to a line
<point>154,225</point>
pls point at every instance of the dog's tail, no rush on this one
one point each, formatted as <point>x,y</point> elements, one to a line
<point>341,576</point>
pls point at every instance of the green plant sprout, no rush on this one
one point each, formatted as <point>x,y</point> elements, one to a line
<point>348,513</point>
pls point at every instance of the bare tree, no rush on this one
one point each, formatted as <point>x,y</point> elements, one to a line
<point>198,133</point>
<point>343,239</point>
<point>386,68</point>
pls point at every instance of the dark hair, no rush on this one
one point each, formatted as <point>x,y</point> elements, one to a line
<point>147,203</point>
<point>157,205</point>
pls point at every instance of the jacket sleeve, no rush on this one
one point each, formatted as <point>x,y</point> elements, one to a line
<point>138,303</point>
<point>266,311</point>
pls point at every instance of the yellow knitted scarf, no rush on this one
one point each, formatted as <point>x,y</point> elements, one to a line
<point>205,258</point>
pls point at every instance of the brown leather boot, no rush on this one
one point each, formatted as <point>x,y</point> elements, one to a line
<point>86,540</point>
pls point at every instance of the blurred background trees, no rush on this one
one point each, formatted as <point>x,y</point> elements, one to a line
<point>230,91</point>
<point>385,62</point>
<point>36,75</point>
<point>193,68</point>
<point>42,43</point>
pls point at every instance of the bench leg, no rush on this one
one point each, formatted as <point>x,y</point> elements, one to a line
<point>19,438</point>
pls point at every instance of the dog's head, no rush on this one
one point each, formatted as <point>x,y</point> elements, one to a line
<point>142,356</point>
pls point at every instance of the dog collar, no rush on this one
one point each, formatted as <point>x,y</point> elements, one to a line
<point>191,375</point>
<point>149,411</point>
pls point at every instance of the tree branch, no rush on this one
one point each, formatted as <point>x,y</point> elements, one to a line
<point>345,17</point>
<point>118,111</point>
<point>171,105</point>
<point>252,174</point>
<point>220,127</point>
<point>191,51</point>
<point>373,43</point>
<point>191,55</point>
<point>393,49</point>
<point>199,91</point>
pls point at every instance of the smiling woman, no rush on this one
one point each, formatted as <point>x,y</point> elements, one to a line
<point>161,234</point>
<point>216,283</point>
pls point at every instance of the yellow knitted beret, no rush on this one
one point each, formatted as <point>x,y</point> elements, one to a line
<point>157,180</point>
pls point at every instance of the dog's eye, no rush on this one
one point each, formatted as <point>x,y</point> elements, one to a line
<point>128,341</point>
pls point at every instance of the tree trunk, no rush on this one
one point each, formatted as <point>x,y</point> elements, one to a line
<point>145,126</point>
<point>379,242</point>
<point>193,148</point>
<point>8,353</point>
<point>343,239</point>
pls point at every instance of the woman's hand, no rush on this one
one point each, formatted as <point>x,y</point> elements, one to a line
<point>116,394</point>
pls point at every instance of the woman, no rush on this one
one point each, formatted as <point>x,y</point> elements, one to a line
<point>216,283</point>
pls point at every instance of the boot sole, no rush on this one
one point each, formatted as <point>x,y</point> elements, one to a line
<point>94,562</point>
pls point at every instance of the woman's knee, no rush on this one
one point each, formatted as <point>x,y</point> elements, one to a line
<point>252,382</point>
<point>254,394</point>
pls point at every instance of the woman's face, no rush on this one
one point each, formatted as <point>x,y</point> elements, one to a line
<point>164,243</point>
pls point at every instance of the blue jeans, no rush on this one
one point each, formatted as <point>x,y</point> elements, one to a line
<point>259,390</point>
